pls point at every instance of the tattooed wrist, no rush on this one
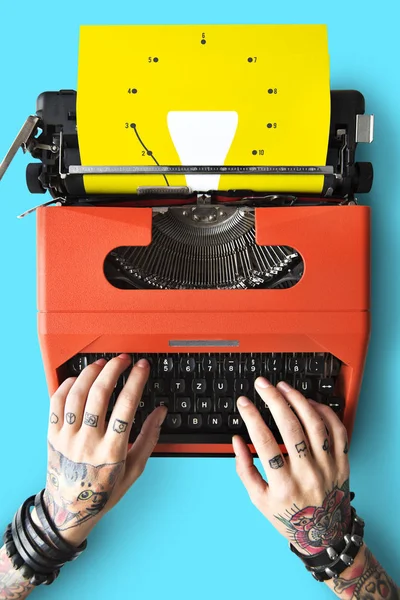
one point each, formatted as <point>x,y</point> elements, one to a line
<point>314,528</point>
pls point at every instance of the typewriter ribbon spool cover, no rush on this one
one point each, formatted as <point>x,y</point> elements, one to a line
<point>215,94</point>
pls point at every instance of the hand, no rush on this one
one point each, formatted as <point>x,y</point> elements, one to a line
<point>89,465</point>
<point>307,496</point>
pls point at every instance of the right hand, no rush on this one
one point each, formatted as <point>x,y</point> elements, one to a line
<point>307,496</point>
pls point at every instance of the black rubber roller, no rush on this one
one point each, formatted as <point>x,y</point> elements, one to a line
<point>365,176</point>
<point>33,172</point>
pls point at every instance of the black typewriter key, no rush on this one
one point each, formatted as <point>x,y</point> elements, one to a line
<point>204,405</point>
<point>157,386</point>
<point>209,364</point>
<point>235,422</point>
<point>177,386</point>
<point>214,421</point>
<point>199,386</point>
<point>304,386</point>
<point>195,421</point>
<point>187,365</point>
<point>165,365</point>
<point>78,363</point>
<point>231,365</point>
<point>241,386</point>
<point>337,405</point>
<point>173,421</point>
<point>295,365</point>
<point>144,403</point>
<point>225,405</point>
<point>252,365</point>
<point>220,386</point>
<point>316,365</point>
<point>274,364</point>
<point>335,367</point>
<point>183,404</point>
<point>326,385</point>
<point>161,401</point>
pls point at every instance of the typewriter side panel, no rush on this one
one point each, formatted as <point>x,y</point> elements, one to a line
<point>74,241</point>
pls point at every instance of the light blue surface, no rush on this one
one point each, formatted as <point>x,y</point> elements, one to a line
<point>187,530</point>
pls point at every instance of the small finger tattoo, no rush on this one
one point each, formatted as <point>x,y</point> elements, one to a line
<point>120,426</point>
<point>53,418</point>
<point>70,418</point>
<point>301,449</point>
<point>346,447</point>
<point>326,446</point>
<point>276,462</point>
<point>91,420</point>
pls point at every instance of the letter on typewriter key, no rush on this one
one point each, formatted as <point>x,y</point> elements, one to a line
<point>241,386</point>
<point>188,365</point>
<point>173,421</point>
<point>204,405</point>
<point>195,421</point>
<point>160,401</point>
<point>177,386</point>
<point>274,364</point>
<point>225,405</point>
<point>214,421</point>
<point>165,365</point>
<point>157,386</point>
<point>235,421</point>
<point>304,385</point>
<point>316,365</point>
<point>252,365</point>
<point>209,364</point>
<point>220,386</point>
<point>296,365</point>
<point>183,404</point>
<point>199,386</point>
<point>231,365</point>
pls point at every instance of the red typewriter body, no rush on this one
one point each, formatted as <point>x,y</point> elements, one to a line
<point>326,311</point>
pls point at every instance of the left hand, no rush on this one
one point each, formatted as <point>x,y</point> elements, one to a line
<point>89,465</point>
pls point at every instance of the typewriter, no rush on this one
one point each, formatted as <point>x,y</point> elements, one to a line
<point>214,289</point>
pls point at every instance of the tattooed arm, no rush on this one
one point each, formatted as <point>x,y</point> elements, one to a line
<point>89,465</point>
<point>307,496</point>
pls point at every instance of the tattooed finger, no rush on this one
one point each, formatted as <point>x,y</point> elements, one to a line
<point>338,435</point>
<point>77,396</point>
<point>312,422</point>
<point>57,403</point>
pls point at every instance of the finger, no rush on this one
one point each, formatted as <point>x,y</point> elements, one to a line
<point>122,416</point>
<point>263,439</point>
<point>313,424</point>
<point>77,396</point>
<point>288,424</point>
<point>57,403</point>
<point>144,445</point>
<point>338,435</point>
<point>248,472</point>
<point>100,393</point>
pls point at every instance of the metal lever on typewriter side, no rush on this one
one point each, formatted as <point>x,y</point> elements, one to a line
<point>24,140</point>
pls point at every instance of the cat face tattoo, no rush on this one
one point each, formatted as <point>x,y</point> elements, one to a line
<point>76,492</point>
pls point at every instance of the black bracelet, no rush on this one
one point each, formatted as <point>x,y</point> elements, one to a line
<point>330,563</point>
<point>38,555</point>
<point>70,551</point>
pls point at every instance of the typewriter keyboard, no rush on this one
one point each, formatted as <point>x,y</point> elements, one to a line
<point>200,390</point>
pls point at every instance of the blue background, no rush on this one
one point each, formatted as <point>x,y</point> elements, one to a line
<point>187,528</point>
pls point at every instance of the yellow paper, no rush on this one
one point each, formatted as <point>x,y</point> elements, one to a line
<point>133,80</point>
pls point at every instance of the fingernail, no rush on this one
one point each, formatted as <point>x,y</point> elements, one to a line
<point>312,401</point>
<point>284,386</point>
<point>101,362</point>
<point>243,401</point>
<point>142,363</point>
<point>124,356</point>
<point>261,382</point>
